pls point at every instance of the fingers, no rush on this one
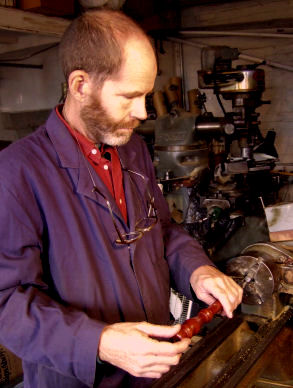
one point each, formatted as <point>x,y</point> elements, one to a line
<point>162,348</point>
<point>159,331</point>
<point>228,295</point>
<point>130,347</point>
<point>155,365</point>
<point>156,361</point>
<point>227,292</point>
<point>210,284</point>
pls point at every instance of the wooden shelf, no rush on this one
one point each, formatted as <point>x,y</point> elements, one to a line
<point>12,19</point>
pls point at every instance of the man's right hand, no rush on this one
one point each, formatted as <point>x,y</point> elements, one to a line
<point>132,346</point>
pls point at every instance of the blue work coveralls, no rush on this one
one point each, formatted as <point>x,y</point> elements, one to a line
<point>62,276</point>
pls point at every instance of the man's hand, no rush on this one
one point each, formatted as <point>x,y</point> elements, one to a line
<point>133,347</point>
<point>209,284</point>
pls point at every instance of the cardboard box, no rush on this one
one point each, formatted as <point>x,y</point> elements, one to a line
<point>48,7</point>
<point>280,221</point>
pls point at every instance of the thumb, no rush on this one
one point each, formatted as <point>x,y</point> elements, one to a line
<point>162,331</point>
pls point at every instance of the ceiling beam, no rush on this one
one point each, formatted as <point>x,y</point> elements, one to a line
<point>194,3</point>
<point>26,53</point>
<point>27,22</point>
<point>240,14</point>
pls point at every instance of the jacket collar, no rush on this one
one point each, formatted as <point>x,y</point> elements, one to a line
<point>67,149</point>
<point>71,157</point>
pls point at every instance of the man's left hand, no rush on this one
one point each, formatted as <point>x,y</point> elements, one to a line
<point>210,284</point>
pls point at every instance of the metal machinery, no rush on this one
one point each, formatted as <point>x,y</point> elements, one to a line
<point>214,169</point>
<point>254,348</point>
<point>265,272</point>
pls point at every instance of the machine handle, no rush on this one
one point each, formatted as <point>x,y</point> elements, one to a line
<point>193,325</point>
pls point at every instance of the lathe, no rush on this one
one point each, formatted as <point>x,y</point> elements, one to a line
<point>254,348</point>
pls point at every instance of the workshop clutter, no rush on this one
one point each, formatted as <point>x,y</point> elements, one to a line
<point>169,98</point>
<point>7,3</point>
<point>48,7</point>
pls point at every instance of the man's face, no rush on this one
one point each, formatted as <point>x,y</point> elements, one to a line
<point>103,127</point>
<point>115,109</point>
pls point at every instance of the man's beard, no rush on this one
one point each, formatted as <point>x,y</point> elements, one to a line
<point>100,126</point>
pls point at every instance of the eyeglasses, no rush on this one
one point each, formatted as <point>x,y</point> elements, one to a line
<point>145,224</point>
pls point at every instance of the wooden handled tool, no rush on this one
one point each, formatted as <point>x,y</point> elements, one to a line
<point>193,325</point>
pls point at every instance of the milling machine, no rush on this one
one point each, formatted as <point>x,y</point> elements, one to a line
<point>214,169</point>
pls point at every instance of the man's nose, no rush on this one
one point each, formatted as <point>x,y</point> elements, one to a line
<point>138,110</point>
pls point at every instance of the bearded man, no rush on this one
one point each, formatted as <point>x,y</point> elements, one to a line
<point>88,252</point>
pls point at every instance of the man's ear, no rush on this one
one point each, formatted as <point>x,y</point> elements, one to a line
<point>79,84</point>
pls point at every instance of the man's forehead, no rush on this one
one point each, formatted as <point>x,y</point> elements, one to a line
<point>134,78</point>
<point>133,88</point>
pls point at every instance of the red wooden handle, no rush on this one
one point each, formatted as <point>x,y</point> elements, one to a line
<point>193,325</point>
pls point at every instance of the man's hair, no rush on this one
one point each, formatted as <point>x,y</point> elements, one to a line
<point>94,42</point>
